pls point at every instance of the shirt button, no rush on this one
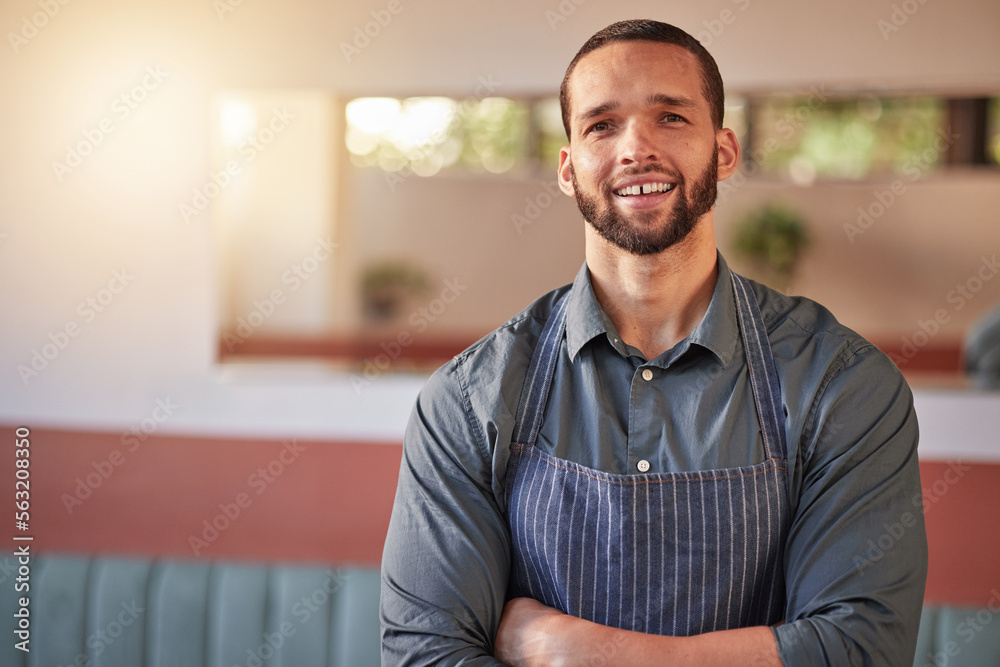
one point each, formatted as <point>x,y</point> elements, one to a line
<point>647,375</point>
<point>642,465</point>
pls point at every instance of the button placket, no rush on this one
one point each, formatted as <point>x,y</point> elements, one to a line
<point>643,465</point>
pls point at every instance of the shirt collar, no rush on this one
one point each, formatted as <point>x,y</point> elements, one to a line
<point>585,319</point>
<point>717,332</point>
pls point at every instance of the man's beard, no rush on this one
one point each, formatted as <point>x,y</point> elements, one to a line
<point>643,237</point>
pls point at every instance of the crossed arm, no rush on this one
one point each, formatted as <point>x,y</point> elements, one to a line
<point>447,554</point>
<point>533,635</point>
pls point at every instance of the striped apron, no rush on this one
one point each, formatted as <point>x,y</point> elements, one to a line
<point>664,553</point>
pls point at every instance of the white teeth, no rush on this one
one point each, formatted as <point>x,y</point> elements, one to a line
<point>645,188</point>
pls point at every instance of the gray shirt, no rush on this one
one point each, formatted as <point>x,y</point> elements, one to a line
<point>856,553</point>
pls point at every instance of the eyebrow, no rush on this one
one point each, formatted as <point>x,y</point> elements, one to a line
<point>671,101</point>
<point>656,99</point>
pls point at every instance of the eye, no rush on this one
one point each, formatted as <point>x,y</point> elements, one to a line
<point>600,126</point>
<point>674,118</point>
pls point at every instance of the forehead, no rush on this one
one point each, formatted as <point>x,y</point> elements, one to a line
<point>619,68</point>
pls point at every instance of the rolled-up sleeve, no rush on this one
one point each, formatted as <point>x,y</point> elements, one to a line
<point>446,560</point>
<point>856,555</point>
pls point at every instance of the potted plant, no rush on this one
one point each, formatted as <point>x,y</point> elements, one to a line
<point>772,239</point>
<point>387,286</point>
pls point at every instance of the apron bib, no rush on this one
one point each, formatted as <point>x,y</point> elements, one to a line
<point>663,553</point>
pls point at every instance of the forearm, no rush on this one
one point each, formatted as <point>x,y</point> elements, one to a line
<point>446,556</point>
<point>532,634</point>
<point>856,557</point>
<point>604,645</point>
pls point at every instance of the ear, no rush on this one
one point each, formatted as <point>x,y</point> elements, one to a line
<point>565,171</point>
<point>729,152</point>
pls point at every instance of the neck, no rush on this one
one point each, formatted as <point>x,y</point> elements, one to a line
<point>655,301</point>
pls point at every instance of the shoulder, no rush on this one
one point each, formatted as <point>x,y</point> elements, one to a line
<point>830,375</point>
<point>512,342</point>
<point>484,380</point>
<point>800,329</point>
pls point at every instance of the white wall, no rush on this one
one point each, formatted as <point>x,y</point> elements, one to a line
<point>934,248</point>
<point>119,210</point>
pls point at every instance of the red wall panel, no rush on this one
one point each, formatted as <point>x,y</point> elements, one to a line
<point>330,502</point>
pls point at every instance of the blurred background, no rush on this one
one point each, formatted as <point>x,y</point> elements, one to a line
<point>237,235</point>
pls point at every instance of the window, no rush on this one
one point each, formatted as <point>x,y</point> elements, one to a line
<point>993,132</point>
<point>427,134</point>
<point>804,138</point>
<point>797,137</point>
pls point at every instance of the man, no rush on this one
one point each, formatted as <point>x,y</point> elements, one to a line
<point>662,463</point>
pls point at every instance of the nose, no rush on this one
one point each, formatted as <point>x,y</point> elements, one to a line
<point>637,145</point>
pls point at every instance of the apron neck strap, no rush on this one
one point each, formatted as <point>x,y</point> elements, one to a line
<point>535,392</point>
<point>760,364</point>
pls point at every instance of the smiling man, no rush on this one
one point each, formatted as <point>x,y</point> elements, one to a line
<point>662,463</point>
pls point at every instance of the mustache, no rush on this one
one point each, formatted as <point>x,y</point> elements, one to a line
<point>649,169</point>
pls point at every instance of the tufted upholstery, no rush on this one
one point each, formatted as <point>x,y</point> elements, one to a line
<point>126,612</point>
<point>959,636</point>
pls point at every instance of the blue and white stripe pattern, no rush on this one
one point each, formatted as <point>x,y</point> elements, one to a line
<point>664,553</point>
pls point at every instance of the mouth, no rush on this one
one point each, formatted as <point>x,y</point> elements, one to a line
<point>644,196</point>
<point>638,190</point>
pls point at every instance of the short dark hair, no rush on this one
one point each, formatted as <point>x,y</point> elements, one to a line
<point>638,30</point>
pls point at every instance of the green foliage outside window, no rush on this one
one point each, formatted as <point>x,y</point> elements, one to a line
<point>993,131</point>
<point>427,134</point>
<point>802,138</point>
<point>805,138</point>
<point>551,135</point>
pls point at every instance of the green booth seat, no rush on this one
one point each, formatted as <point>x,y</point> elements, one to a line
<point>959,636</point>
<point>128,612</point>
<point>132,612</point>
